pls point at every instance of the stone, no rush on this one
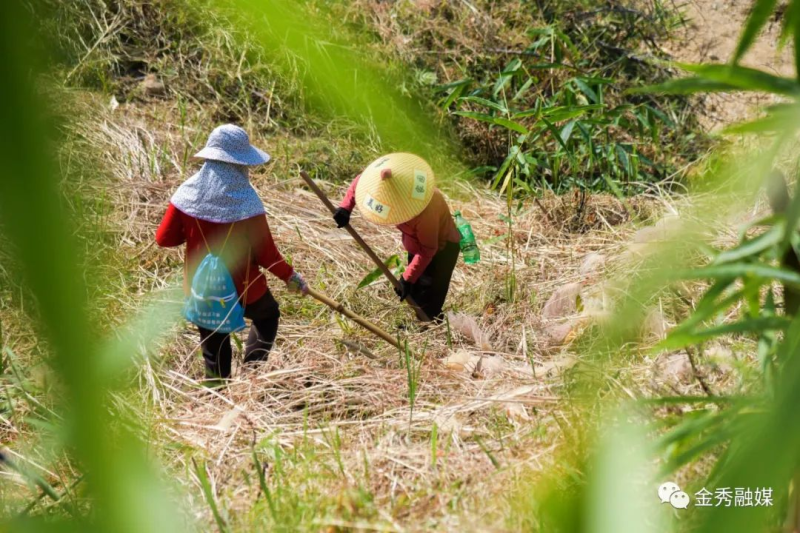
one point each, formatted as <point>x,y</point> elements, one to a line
<point>563,302</point>
<point>592,264</point>
<point>558,334</point>
<point>674,367</point>
<point>665,229</point>
<point>152,86</point>
<point>721,357</point>
<point>654,325</point>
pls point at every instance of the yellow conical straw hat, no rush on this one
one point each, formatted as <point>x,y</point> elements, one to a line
<point>394,189</point>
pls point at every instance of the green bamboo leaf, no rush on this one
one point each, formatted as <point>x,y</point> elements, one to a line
<point>486,103</point>
<point>566,131</point>
<point>741,270</point>
<point>49,524</point>
<point>715,78</point>
<point>452,85</point>
<point>535,112</point>
<point>765,448</point>
<point>677,400</point>
<point>784,118</point>
<point>457,89</point>
<point>681,339</point>
<point>758,17</point>
<point>510,124</point>
<point>557,137</point>
<point>392,262</point>
<point>513,66</point>
<point>768,124</point>
<point>501,172</point>
<point>506,75</point>
<point>622,155</point>
<point>692,426</point>
<point>792,218</point>
<point>689,85</point>
<point>709,306</point>
<point>561,113</point>
<point>766,221</point>
<point>617,497</point>
<point>745,78</point>
<point>752,247</point>
<point>498,121</point>
<point>660,115</point>
<point>709,442</point>
<point>565,40</point>
<point>585,89</point>
<point>792,22</point>
<point>522,90</point>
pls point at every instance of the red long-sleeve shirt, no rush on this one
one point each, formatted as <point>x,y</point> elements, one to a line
<point>249,238</point>
<point>424,235</point>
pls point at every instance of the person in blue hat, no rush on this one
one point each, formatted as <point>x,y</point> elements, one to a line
<point>218,211</point>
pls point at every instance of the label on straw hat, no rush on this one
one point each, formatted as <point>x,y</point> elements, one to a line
<point>420,184</point>
<point>395,188</point>
<point>376,207</point>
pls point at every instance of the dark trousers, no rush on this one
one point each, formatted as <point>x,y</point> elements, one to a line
<point>430,290</point>
<point>216,347</point>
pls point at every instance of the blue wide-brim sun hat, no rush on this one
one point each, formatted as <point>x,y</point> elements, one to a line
<point>231,144</point>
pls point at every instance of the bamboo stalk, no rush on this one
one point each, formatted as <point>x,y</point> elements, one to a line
<point>353,233</point>
<point>364,323</point>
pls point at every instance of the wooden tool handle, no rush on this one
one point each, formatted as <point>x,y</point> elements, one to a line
<point>364,323</point>
<point>364,246</point>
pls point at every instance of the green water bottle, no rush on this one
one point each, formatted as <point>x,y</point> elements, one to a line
<point>468,245</point>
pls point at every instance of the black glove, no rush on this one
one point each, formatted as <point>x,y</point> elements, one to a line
<point>342,217</point>
<point>404,290</point>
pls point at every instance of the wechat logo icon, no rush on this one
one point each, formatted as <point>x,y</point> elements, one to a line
<point>672,494</point>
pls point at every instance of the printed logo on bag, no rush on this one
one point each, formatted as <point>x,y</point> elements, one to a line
<point>214,302</point>
<point>376,207</point>
<point>420,185</point>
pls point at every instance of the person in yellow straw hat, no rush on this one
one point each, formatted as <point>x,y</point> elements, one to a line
<point>400,190</point>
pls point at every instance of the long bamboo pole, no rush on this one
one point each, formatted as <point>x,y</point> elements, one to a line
<point>364,323</point>
<point>353,233</point>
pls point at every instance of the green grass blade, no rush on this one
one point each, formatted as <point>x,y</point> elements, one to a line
<point>208,492</point>
<point>759,15</point>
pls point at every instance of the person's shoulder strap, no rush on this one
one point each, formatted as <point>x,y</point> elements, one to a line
<point>230,229</point>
